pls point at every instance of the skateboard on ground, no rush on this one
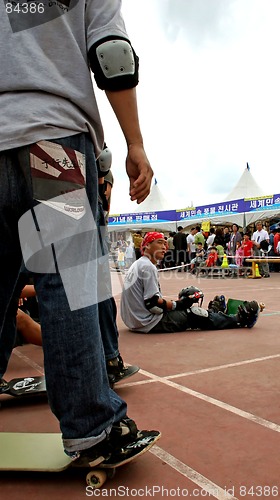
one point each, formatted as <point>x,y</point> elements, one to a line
<point>44,452</point>
<point>25,387</point>
<point>128,372</point>
<point>233,304</point>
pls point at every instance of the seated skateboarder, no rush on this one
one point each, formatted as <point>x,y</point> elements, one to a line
<point>143,308</point>
<point>29,332</point>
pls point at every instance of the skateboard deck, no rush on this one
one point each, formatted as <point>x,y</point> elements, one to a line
<point>26,386</point>
<point>43,452</point>
<point>233,304</point>
<point>129,371</point>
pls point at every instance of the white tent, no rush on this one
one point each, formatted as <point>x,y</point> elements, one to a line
<point>155,202</point>
<point>246,187</point>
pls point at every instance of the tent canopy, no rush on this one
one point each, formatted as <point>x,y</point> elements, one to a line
<point>155,202</point>
<point>246,187</point>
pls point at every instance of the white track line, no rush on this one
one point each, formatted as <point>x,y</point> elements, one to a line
<point>221,367</point>
<point>201,481</point>
<point>197,372</point>
<point>28,361</point>
<point>208,399</point>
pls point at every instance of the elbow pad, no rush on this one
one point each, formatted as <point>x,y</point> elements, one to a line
<point>114,64</point>
<point>104,162</point>
<point>154,306</point>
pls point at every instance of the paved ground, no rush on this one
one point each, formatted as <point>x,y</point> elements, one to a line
<point>213,395</point>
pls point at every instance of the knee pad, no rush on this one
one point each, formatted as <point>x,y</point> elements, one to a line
<point>199,311</point>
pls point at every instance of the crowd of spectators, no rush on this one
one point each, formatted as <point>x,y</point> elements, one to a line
<point>186,250</point>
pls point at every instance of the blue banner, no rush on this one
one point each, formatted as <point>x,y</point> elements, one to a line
<point>257,204</point>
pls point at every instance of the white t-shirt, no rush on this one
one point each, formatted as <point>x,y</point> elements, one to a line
<point>129,252</point>
<point>190,242</point>
<point>141,283</point>
<point>210,240</point>
<point>259,236</point>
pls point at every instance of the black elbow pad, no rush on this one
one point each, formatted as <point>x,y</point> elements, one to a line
<point>114,64</point>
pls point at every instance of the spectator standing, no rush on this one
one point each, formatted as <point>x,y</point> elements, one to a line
<point>234,238</point>
<point>180,248</point>
<point>199,238</point>
<point>226,240</point>
<point>129,255</point>
<point>191,244</point>
<point>247,247</point>
<point>259,236</point>
<point>137,240</point>
<point>211,237</point>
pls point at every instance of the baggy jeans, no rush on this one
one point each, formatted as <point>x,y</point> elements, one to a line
<point>76,378</point>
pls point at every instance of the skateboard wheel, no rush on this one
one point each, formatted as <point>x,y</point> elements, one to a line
<point>96,478</point>
<point>262,306</point>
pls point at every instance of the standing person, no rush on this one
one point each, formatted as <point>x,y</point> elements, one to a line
<point>180,248</point>
<point>191,244</point>
<point>239,254</point>
<point>129,254</point>
<point>211,238</point>
<point>137,240</point>
<point>50,138</point>
<point>226,239</point>
<point>247,248</point>
<point>234,238</point>
<point>276,240</point>
<point>169,256</point>
<point>260,236</point>
<point>199,237</point>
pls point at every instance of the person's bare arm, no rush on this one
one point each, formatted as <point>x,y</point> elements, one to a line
<point>139,171</point>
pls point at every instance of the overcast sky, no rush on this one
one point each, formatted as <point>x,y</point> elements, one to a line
<point>208,97</point>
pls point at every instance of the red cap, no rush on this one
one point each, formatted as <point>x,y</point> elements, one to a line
<point>150,237</point>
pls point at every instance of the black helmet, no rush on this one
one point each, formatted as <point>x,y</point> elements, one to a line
<point>193,293</point>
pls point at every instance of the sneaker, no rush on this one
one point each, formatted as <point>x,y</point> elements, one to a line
<point>123,442</point>
<point>4,386</point>
<point>218,304</point>
<point>116,370</point>
<point>248,313</point>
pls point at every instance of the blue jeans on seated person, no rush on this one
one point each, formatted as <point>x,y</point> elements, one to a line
<point>76,378</point>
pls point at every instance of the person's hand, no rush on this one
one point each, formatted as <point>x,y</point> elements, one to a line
<point>21,300</point>
<point>183,304</point>
<point>139,171</point>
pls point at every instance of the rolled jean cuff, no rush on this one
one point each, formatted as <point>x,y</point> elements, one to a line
<point>73,445</point>
<point>115,355</point>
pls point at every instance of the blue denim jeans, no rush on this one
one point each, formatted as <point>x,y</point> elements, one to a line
<point>107,309</point>
<point>179,321</point>
<point>77,384</point>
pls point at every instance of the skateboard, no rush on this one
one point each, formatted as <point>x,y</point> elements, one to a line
<point>233,304</point>
<point>44,452</point>
<point>25,387</point>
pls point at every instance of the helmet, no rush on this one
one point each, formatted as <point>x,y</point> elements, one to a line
<point>150,237</point>
<point>192,293</point>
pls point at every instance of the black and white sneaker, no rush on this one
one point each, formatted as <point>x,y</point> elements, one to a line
<point>116,370</point>
<point>123,443</point>
<point>248,313</point>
